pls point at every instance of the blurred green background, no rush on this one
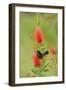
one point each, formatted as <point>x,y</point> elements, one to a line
<point>49,26</point>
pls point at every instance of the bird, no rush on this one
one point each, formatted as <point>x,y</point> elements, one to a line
<point>42,54</point>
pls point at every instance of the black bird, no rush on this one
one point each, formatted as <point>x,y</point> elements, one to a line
<point>41,54</point>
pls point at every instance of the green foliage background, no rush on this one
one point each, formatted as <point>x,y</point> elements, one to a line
<point>49,26</point>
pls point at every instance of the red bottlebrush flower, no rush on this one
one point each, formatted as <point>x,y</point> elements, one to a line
<point>39,35</point>
<point>53,50</point>
<point>36,60</point>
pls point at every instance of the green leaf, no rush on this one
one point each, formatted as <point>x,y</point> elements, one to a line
<point>34,71</point>
<point>45,66</point>
<point>42,69</point>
